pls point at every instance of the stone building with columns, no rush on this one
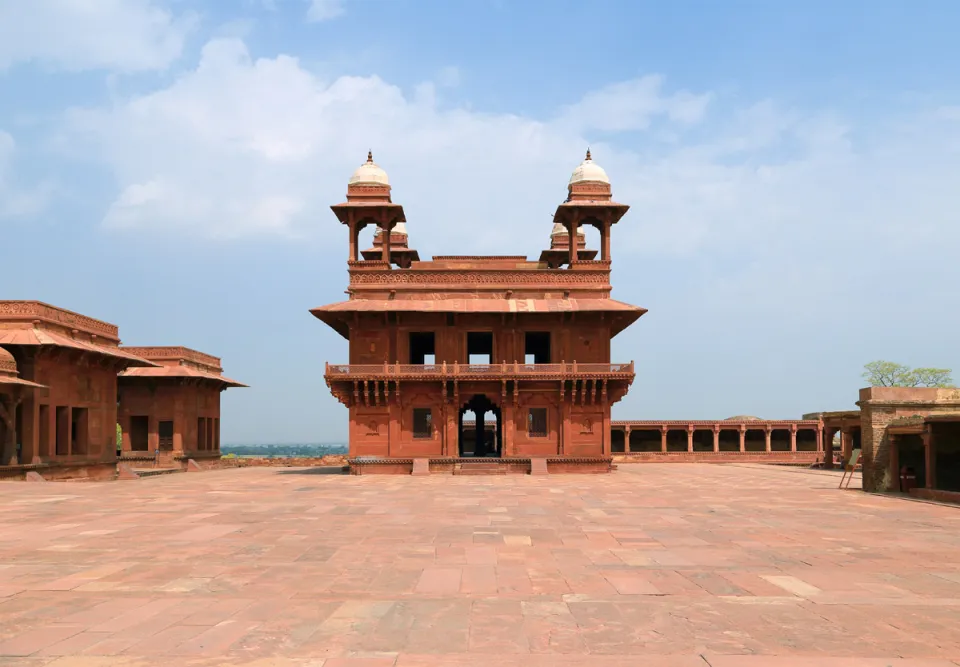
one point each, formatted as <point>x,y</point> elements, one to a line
<point>172,407</point>
<point>69,416</point>
<point>741,438</point>
<point>433,342</point>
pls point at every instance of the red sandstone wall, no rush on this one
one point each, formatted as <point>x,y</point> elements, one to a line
<point>881,405</point>
<point>168,400</point>
<point>69,384</point>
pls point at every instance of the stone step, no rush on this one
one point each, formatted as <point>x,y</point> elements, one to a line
<point>152,472</point>
<point>480,469</point>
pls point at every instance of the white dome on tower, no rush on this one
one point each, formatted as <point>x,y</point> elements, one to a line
<point>369,174</point>
<point>560,230</point>
<point>589,172</point>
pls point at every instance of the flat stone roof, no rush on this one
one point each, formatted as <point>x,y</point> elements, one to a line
<point>668,565</point>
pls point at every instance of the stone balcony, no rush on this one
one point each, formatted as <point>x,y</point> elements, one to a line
<point>457,371</point>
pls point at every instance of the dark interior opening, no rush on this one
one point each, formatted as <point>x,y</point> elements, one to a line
<point>422,347</point>
<point>138,434</point>
<point>422,423</point>
<point>537,422</point>
<point>79,430</point>
<point>480,347</point>
<point>165,431</point>
<point>63,430</point>
<point>536,347</point>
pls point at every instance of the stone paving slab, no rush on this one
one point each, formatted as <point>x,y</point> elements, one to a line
<point>670,565</point>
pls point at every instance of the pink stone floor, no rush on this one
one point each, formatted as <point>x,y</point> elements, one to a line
<point>675,565</point>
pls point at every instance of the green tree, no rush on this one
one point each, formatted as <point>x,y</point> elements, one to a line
<point>890,374</point>
<point>932,377</point>
<point>887,374</point>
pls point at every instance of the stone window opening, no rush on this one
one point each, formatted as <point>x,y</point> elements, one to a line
<point>480,347</point>
<point>423,347</point>
<point>79,431</point>
<point>422,423</point>
<point>536,347</point>
<point>537,422</point>
<point>139,433</point>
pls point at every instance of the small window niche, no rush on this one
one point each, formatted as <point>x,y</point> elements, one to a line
<point>537,422</point>
<point>422,423</point>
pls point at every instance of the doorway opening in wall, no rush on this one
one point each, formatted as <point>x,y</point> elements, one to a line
<point>18,432</point>
<point>79,430</point>
<point>480,429</point>
<point>536,347</point>
<point>480,347</point>
<point>202,433</point>
<point>63,430</point>
<point>139,440</point>
<point>165,431</point>
<point>44,433</point>
<point>423,348</point>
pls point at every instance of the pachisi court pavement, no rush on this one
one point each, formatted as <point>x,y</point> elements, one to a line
<point>655,565</point>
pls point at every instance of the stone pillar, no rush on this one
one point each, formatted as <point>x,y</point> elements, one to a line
<point>894,444</point>
<point>30,438</point>
<point>690,438</point>
<point>930,456</point>
<point>605,241</point>
<point>743,438</point>
<point>716,439</point>
<point>793,437</point>
<point>828,434</point>
<point>385,243</point>
<point>566,427</point>
<point>125,444</point>
<point>574,225</point>
<point>607,444</point>
<point>507,427</point>
<point>769,433</point>
<point>354,240</point>
<point>846,444</point>
<point>626,440</point>
<point>393,429</point>
<point>663,438</point>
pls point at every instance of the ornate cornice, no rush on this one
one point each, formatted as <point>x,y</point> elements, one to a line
<point>36,310</point>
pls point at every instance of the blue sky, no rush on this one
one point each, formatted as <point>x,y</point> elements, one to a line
<point>792,167</point>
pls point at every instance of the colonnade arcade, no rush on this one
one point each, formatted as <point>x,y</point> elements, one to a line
<point>716,436</point>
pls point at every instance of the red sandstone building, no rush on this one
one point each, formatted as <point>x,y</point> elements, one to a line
<point>69,414</point>
<point>172,406</point>
<point>526,342</point>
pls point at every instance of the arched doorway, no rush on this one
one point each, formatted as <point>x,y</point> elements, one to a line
<point>483,435</point>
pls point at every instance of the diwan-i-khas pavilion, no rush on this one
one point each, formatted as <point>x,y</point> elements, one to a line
<point>503,339</point>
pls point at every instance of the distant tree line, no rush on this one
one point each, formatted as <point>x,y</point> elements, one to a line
<point>890,374</point>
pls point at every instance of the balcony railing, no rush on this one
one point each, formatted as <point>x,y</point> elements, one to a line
<point>457,370</point>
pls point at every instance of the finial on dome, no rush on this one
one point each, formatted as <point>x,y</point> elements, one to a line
<point>370,157</point>
<point>588,153</point>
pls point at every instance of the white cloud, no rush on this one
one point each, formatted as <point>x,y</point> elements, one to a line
<point>241,146</point>
<point>17,201</point>
<point>74,35</point>
<point>324,10</point>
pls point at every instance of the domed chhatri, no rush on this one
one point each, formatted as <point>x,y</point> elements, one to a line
<point>8,365</point>
<point>369,173</point>
<point>589,172</point>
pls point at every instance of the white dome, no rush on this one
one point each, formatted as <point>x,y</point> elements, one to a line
<point>369,173</point>
<point>399,228</point>
<point>560,230</point>
<point>589,171</point>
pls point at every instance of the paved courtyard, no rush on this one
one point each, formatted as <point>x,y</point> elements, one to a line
<point>655,565</point>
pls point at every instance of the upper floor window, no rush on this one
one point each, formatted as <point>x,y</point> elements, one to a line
<point>422,423</point>
<point>536,347</point>
<point>480,347</point>
<point>422,347</point>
